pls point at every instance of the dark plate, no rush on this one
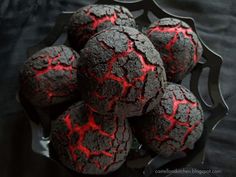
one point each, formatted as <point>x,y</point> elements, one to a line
<point>141,162</point>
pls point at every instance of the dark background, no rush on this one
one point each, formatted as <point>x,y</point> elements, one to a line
<point>24,23</point>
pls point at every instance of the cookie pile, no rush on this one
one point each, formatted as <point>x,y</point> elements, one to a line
<point>112,73</point>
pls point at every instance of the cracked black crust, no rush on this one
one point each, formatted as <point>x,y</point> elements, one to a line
<point>80,115</point>
<point>80,26</point>
<point>171,136</point>
<point>183,50</point>
<point>141,96</point>
<point>63,84</point>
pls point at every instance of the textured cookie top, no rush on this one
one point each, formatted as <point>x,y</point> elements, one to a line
<point>49,77</point>
<point>88,20</point>
<point>174,125</point>
<point>124,71</point>
<point>90,143</point>
<point>178,45</point>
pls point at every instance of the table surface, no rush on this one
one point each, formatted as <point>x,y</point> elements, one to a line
<point>25,22</point>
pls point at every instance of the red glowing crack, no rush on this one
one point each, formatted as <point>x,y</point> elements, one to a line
<point>96,21</point>
<point>146,68</point>
<point>174,122</point>
<point>117,149</point>
<point>84,31</point>
<point>176,30</point>
<point>56,67</point>
<point>82,130</point>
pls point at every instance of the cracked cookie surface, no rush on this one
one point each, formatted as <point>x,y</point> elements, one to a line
<point>90,143</point>
<point>178,44</point>
<point>49,77</point>
<point>174,125</point>
<point>91,19</point>
<point>123,70</point>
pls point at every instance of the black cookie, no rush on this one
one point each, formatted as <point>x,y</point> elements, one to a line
<point>89,143</point>
<point>49,77</point>
<point>88,20</point>
<point>178,45</point>
<point>124,72</point>
<point>174,125</point>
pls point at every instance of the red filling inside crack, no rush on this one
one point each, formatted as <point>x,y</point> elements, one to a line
<point>173,121</point>
<point>56,67</point>
<point>96,21</point>
<point>54,64</point>
<point>176,30</point>
<point>91,125</point>
<point>123,81</point>
<point>176,67</point>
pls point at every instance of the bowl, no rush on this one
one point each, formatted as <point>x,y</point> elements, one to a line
<point>141,162</point>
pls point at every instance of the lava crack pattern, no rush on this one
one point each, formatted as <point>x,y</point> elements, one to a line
<point>124,72</point>
<point>49,77</point>
<point>174,125</point>
<point>90,143</point>
<point>88,20</point>
<point>178,45</point>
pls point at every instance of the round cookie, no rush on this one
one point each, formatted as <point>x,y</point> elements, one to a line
<point>49,77</point>
<point>174,125</point>
<point>178,44</point>
<point>89,143</point>
<point>123,72</point>
<point>91,19</point>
